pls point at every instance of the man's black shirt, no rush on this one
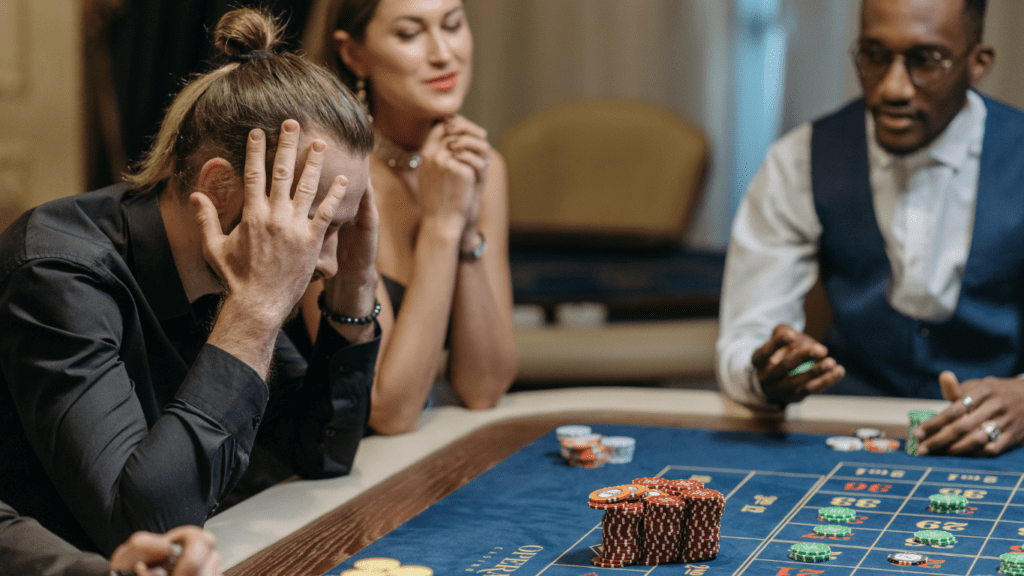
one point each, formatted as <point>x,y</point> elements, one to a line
<point>114,411</point>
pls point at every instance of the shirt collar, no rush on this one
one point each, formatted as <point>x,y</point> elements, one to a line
<point>959,141</point>
<point>151,258</point>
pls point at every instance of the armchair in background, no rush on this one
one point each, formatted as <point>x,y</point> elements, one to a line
<point>601,194</point>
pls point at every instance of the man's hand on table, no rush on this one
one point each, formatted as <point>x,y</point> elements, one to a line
<point>986,417</point>
<point>182,551</point>
<point>785,351</point>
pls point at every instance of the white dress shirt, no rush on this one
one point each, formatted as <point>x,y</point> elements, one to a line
<point>924,204</point>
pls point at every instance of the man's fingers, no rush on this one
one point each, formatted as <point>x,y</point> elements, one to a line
<point>309,181</point>
<point>783,335</point>
<point>950,386</point>
<point>255,167</point>
<point>329,206</point>
<point>832,373</point>
<point>284,162</point>
<point>206,219</point>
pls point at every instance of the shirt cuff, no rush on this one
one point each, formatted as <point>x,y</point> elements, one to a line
<point>227,390</point>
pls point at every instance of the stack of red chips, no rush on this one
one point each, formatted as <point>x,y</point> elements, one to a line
<point>620,535</point>
<point>703,526</point>
<point>656,521</point>
<point>663,529</point>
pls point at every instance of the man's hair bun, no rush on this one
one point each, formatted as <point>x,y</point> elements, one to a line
<point>244,31</point>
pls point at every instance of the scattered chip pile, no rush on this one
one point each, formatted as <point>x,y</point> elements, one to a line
<point>657,521</point>
<point>582,448</point>
<point>870,439</point>
<point>917,417</point>
<point>584,451</point>
<point>947,503</point>
<point>1012,563</point>
<point>881,445</point>
<point>385,567</point>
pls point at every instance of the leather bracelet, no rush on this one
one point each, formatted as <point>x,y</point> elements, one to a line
<point>474,254</point>
<point>330,315</point>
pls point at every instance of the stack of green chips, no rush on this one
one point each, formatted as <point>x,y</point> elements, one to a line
<point>833,530</point>
<point>810,552</point>
<point>1012,563</point>
<point>935,537</point>
<point>917,417</point>
<point>947,503</point>
<point>837,514</point>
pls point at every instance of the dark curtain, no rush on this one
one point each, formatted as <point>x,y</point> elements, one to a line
<point>155,45</point>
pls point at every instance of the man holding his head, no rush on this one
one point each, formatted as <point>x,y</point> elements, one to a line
<point>908,205</point>
<point>143,365</point>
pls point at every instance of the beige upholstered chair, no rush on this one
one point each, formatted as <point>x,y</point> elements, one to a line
<point>604,171</point>
<point>608,174</point>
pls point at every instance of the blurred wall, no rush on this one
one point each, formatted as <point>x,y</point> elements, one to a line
<point>535,54</point>
<point>41,142</point>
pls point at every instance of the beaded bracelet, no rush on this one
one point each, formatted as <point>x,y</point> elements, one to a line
<point>327,313</point>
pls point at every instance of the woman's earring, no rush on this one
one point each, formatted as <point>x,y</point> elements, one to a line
<point>361,93</point>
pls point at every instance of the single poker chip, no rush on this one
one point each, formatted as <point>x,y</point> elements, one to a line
<point>833,530</point>
<point>867,433</point>
<point>837,514</point>
<point>907,558</point>
<point>881,445</point>
<point>935,537</point>
<point>683,485</point>
<point>411,570</point>
<point>844,443</point>
<point>947,501</point>
<point>666,501</point>
<point>377,564</point>
<point>651,482</point>
<point>811,548</point>
<point>1012,557</point>
<point>805,367</point>
<point>613,494</point>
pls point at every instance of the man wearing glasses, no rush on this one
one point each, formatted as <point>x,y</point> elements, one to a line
<point>908,203</point>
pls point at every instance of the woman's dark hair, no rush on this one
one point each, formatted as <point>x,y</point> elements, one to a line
<point>352,16</point>
<point>260,88</point>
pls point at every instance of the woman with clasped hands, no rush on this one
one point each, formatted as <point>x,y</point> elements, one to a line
<point>441,193</point>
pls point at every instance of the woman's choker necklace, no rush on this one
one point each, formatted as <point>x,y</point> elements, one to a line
<point>394,155</point>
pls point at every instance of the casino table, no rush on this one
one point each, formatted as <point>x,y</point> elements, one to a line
<point>469,489</point>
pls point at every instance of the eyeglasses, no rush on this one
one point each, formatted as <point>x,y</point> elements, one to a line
<point>925,66</point>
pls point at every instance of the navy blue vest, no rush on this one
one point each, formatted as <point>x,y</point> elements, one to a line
<point>883,351</point>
